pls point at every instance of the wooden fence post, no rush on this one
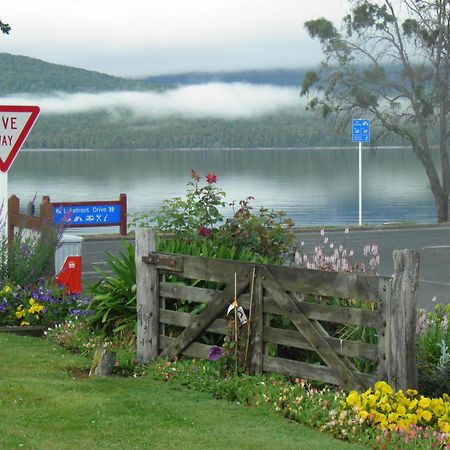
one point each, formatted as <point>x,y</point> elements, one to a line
<point>147,298</point>
<point>401,316</point>
<point>256,327</point>
<point>13,209</point>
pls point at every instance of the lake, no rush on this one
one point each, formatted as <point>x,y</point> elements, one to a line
<point>313,186</point>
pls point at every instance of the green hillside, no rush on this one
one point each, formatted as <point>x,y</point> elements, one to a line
<point>21,74</point>
<point>103,130</point>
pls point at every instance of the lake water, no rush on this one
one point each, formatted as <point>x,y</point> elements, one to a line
<point>313,186</point>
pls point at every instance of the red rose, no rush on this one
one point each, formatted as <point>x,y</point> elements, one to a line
<point>211,177</point>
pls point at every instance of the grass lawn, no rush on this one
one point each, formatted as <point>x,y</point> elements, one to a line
<point>48,402</point>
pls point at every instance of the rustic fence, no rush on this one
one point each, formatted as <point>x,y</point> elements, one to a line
<point>265,292</point>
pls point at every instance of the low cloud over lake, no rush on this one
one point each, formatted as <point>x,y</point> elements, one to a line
<point>212,100</point>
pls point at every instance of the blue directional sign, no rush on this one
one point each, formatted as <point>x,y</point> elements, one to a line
<point>87,215</point>
<point>361,130</point>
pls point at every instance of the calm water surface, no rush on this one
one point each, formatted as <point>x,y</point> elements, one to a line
<point>313,186</point>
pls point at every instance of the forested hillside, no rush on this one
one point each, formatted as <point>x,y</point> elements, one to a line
<point>21,74</point>
<point>116,129</point>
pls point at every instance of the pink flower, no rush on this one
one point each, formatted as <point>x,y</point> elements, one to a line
<point>203,231</point>
<point>211,177</point>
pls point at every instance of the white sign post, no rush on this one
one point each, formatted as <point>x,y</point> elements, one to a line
<point>15,124</point>
<point>360,134</point>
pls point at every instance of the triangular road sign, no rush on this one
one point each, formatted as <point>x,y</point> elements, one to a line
<point>15,124</point>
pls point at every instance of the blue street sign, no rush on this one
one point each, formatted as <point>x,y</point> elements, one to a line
<point>85,215</point>
<point>360,130</point>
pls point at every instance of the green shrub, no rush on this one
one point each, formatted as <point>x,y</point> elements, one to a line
<point>113,302</point>
<point>432,350</point>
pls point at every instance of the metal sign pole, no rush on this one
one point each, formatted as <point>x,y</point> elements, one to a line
<point>360,183</point>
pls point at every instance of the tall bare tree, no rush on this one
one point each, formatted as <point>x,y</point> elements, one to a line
<point>389,60</point>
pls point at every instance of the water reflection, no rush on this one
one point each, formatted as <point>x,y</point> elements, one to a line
<point>315,187</point>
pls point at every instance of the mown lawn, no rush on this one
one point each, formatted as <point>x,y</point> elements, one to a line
<point>48,402</point>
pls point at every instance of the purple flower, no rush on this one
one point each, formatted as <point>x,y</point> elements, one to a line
<point>215,353</point>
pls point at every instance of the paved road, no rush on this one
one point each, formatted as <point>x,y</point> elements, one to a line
<point>432,242</point>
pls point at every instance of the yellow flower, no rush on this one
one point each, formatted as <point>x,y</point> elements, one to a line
<point>24,323</point>
<point>427,415</point>
<point>424,402</point>
<point>363,414</point>
<point>353,399</point>
<point>401,410</point>
<point>444,426</point>
<point>20,312</point>
<point>411,392</point>
<point>5,290</point>
<point>31,301</point>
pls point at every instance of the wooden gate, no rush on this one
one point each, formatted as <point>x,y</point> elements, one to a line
<point>267,292</point>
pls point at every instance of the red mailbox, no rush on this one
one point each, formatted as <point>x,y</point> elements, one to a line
<point>70,275</point>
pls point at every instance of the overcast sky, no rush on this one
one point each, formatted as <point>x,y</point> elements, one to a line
<point>150,37</point>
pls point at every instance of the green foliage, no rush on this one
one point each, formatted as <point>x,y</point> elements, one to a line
<point>433,350</point>
<point>4,27</point>
<point>198,209</point>
<point>246,236</point>
<point>32,256</point>
<point>114,296</point>
<point>267,233</point>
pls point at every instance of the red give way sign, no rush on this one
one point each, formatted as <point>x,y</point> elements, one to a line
<point>15,124</point>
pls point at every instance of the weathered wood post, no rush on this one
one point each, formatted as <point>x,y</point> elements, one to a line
<point>147,298</point>
<point>257,324</point>
<point>401,316</point>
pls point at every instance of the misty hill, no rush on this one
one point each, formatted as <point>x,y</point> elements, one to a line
<point>277,77</point>
<point>121,130</point>
<point>22,74</point>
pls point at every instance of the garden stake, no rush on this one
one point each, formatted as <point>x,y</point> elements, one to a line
<point>249,319</point>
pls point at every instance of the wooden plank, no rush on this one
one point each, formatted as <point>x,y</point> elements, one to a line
<point>195,350</point>
<point>401,318</point>
<point>327,284</point>
<point>309,371</point>
<point>189,293</point>
<point>147,298</point>
<point>330,313</point>
<point>183,319</point>
<point>293,311</point>
<point>292,338</point>
<point>202,321</point>
<point>294,279</point>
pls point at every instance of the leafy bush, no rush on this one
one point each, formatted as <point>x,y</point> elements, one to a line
<point>199,217</point>
<point>114,296</point>
<point>32,256</point>
<point>432,349</point>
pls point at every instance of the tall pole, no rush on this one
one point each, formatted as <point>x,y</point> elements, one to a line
<point>360,183</point>
<point>3,205</point>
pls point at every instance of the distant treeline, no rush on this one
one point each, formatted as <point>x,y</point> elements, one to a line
<point>277,77</point>
<point>101,131</point>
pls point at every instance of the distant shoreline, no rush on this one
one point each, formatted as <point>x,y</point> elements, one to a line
<point>348,147</point>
